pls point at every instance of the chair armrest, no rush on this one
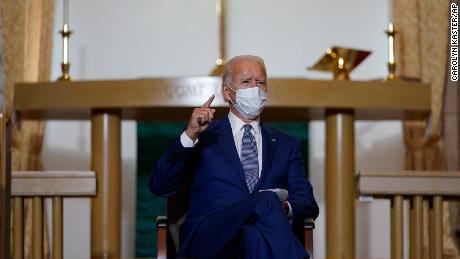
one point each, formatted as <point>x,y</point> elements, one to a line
<point>309,223</point>
<point>162,221</point>
<point>162,247</point>
<point>308,226</point>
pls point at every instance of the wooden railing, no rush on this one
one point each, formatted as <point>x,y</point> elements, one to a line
<point>39,185</point>
<point>416,186</point>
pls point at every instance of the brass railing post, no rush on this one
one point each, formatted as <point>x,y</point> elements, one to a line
<point>436,227</point>
<point>397,227</point>
<point>37,227</point>
<point>57,228</point>
<point>416,228</point>
<point>18,227</point>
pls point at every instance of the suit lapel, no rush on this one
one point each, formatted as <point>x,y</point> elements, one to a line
<point>227,144</point>
<point>269,143</point>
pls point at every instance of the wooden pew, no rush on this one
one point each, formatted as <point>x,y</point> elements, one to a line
<point>39,185</point>
<point>416,186</point>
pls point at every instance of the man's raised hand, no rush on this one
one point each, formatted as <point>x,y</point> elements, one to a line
<point>200,119</point>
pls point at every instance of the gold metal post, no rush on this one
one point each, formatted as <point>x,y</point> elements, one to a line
<point>340,184</point>
<point>105,160</point>
<point>391,32</point>
<point>65,65</point>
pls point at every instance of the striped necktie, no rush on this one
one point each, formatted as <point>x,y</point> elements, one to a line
<point>249,158</point>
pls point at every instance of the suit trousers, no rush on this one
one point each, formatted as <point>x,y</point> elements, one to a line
<point>255,227</point>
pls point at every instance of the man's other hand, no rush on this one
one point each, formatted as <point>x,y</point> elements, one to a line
<point>200,119</point>
<point>285,205</point>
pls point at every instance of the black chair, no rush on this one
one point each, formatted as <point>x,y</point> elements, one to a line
<point>168,242</point>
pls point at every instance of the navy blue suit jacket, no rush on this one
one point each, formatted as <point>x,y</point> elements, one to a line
<point>217,178</point>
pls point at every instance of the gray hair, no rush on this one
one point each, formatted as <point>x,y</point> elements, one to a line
<point>227,77</point>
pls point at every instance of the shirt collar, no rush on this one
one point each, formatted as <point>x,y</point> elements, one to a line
<point>237,124</point>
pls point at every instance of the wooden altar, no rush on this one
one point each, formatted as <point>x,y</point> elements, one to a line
<point>106,103</point>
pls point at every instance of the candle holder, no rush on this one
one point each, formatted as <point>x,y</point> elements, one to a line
<point>65,68</point>
<point>220,62</point>
<point>219,68</point>
<point>391,32</point>
<point>65,65</point>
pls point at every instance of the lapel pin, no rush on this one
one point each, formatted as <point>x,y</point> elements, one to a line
<point>273,140</point>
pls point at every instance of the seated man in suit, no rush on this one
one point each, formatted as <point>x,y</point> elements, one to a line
<point>247,181</point>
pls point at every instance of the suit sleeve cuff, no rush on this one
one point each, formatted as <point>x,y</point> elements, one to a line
<point>186,141</point>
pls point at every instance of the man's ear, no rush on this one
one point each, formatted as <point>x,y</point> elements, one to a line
<point>226,92</point>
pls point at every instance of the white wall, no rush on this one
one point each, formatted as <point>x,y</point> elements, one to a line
<point>132,39</point>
